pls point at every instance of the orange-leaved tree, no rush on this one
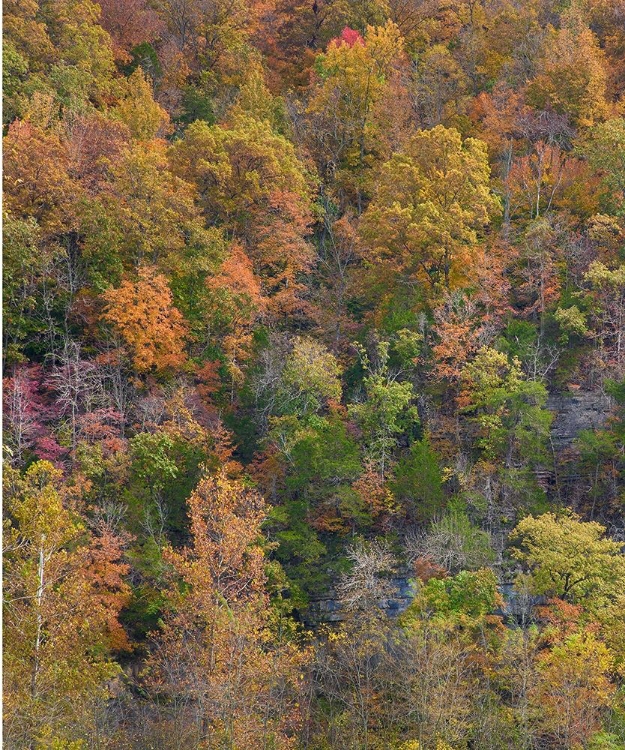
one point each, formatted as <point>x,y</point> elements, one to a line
<point>216,660</point>
<point>143,314</point>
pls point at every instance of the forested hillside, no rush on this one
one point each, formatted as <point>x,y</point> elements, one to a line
<point>314,374</point>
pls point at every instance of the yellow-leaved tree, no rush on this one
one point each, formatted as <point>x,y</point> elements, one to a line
<point>63,590</point>
<point>570,559</point>
<point>431,203</point>
<point>347,125</point>
<point>572,73</point>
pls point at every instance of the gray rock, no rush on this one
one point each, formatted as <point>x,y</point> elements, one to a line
<point>576,411</point>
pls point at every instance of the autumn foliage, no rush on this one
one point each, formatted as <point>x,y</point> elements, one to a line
<point>314,374</point>
<point>143,315</point>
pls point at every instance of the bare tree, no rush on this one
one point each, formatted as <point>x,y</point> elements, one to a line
<point>368,583</point>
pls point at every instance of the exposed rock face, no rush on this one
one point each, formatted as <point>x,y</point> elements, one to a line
<point>328,609</point>
<point>516,608</point>
<point>574,412</point>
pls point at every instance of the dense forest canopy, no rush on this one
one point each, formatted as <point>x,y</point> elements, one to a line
<point>314,374</point>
